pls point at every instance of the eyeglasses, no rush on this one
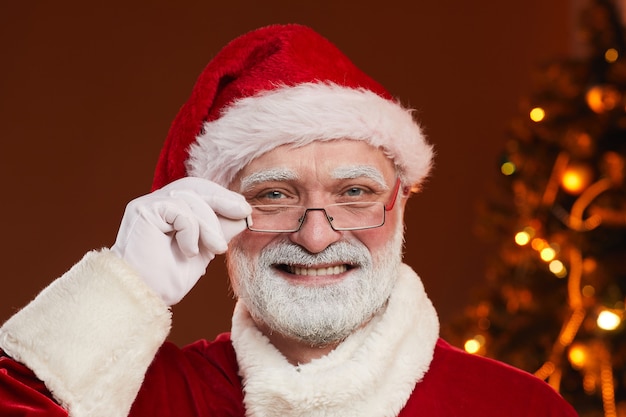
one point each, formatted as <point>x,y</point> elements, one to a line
<point>279,218</point>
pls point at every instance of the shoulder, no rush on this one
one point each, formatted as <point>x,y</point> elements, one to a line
<point>448,358</point>
<point>200,376</point>
<point>202,355</point>
<point>457,380</point>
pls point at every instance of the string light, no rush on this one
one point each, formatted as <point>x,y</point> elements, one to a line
<point>557,268</point>
<point>602,98</point>
<point>607,384</point>
<point>588,291</point>
<point>608,320</point>
<point>576,178</point>
<point>547,254</point>
<point>538,244</point>
<point>611,55</point>
<point>537,114</point>
<point>522,238</point>
<point>566,179</point>
<point>577,356</point>
<point>508,168</point>
<point>474,345</point>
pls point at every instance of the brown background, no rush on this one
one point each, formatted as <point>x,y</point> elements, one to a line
<point>87,93</point>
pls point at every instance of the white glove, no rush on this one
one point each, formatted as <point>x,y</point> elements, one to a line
<point>170,235</point>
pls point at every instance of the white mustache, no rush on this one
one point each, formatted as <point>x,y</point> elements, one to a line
<point>352,253</point>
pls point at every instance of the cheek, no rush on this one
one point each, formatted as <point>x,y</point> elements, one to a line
<point>251,243</point>
<point>377,239</point>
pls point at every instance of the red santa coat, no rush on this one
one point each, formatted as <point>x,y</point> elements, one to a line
<point>202,380</point>
<point>394,366</point>
<point>457,384</point>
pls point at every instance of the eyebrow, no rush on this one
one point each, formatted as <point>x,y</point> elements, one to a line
<point>272,174</point>
<point>359,171</point>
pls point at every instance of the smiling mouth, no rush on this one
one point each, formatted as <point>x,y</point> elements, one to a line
<point>313,272</point>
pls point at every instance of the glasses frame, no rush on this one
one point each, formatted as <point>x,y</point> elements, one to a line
<point>386,207</point>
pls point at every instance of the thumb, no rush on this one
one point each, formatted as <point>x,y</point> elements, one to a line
<point>230,227</point>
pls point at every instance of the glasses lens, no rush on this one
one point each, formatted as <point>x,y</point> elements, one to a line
<point>276,218</point>
<point>342,216</point>
<point>354,216</point>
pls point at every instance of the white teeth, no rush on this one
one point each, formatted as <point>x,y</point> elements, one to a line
<point>312,272</point>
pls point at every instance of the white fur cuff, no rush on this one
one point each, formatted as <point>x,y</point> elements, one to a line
<point>90,335</point>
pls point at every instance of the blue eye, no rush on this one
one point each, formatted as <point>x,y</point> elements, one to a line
<point>273,195</point>
<point>354,192</point>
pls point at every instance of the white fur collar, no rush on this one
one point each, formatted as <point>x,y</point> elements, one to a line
<point>371,374</point>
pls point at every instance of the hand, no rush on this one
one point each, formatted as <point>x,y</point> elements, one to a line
<point>170,235</point>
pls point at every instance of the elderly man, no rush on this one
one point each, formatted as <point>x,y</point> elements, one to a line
<point>298,166</point>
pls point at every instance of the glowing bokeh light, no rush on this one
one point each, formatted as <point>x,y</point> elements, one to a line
<point>608,320</point>
<point>557,268</point>
<point>601,99</point>
<point>576,178</point>
<point>588,291</point>
<point>589,265</point>
<point>537,114</point>
<point>611,55</point>
<point>577,356</point>
<point>472,346</point>
<point>547,254</point>
<point>508,168</point>
<point>538,244</point>
<point>522,238</point>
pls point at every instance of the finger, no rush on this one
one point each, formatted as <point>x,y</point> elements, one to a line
<point>225,202</point>
<point>212,238</point>
<point>185,226</point>
<point>210,232</point>
<point>235,209</point>
<point>231,228</point>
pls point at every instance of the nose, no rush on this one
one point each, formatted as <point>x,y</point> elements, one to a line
<point>315,234</point>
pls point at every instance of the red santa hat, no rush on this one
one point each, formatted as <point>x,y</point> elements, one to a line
<point>284,84</point>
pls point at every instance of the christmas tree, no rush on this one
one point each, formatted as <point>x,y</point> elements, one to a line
<point>553,302</point>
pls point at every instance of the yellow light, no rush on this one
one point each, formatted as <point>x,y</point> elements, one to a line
<point>611,55</point>
<point>557,268</point>
<point>537,114</point>
<point>473,345</point>
<point>522,238</point>
<point>576,178</point>
<point>608,320</point>
<point>508,168</point>
<point>577,356</point>
<point>547,254</point>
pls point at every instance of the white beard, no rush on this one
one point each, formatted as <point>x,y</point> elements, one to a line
<point>323,314</point>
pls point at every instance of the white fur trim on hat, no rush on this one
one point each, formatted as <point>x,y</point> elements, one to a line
<point>301,114</point>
